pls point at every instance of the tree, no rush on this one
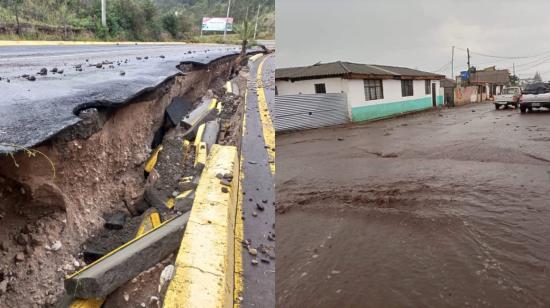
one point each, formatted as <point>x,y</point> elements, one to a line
<point>15,7</point>
<point>170,23</point>
<point>537,77</point>
<point>245,32</point>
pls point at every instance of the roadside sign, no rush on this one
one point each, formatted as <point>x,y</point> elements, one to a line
<point>464,75</point>
<point>217,23</point>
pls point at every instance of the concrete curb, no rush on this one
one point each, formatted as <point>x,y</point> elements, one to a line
<point>204,275</point>
<point>151,220</point>
<point>111,271</point>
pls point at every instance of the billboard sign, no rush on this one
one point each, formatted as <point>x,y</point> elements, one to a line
<point>217,23</point>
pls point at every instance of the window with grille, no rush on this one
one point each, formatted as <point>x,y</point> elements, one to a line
<point>373,89</point>
<point>428,86</point>
<point>407,88</point>
<point>320,88</point>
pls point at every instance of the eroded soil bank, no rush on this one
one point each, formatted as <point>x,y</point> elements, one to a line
<point>53,198</point>
<point>439,209</point>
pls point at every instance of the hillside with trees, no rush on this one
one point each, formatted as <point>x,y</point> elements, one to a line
<point>134,20</point>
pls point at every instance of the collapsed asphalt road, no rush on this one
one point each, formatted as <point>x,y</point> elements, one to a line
<point>443,208</point>
<point>45,87</point>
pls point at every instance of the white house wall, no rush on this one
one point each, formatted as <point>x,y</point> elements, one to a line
<point>332,85</point>
<point>393,102</point>
<point>359,109</point>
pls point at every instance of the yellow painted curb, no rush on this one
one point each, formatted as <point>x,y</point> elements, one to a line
<point>170,202</point>
<point>239,226</point>
<point>205,260</point>
<point>213,104</point>
<point>152,161</point>
<point>256,57</point>
<point>184,194</point>
<point>201,155</point>
<point>149,222</point>
<point>87,303</point>
<point>198,136</point>
<point>267,123</point>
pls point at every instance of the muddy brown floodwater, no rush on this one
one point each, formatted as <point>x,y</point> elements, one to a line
<point>443,208</point>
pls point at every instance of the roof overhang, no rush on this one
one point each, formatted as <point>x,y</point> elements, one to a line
<point>361,76</point>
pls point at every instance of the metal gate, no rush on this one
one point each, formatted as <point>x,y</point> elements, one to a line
<point>295,112</point>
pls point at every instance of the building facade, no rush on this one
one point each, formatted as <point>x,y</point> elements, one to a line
<point>372,91</point>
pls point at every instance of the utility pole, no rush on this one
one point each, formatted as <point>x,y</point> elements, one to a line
<point>103,13</point>
<point>468,51</point>
<point>226,18</point>
<point>257,16</point>
<point>514,66</point>
<point>453,63</point>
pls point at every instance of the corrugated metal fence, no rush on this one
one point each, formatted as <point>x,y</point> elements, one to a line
<point>295,112</point>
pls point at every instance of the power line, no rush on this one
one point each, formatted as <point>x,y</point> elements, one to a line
<point>504,57</point>
<point>446,65</point>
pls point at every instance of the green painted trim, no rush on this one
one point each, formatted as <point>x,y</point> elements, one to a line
<point>377,111</point>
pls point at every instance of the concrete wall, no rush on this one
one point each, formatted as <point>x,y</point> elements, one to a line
<point>466,95</point>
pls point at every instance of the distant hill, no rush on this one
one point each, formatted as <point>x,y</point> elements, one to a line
<point>126,19</point>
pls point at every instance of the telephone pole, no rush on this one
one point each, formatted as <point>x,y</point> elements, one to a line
<point>226,18</point>
<point>468,51</point>
<point>103,13</point>
<point>257,16</point>
<point>514,66</point>
<point>453,63</point>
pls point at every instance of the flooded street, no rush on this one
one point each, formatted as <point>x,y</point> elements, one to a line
<point>443,208</point>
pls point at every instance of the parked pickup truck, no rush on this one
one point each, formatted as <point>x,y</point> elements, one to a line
<point>509,97</point>
<point>535,95</point>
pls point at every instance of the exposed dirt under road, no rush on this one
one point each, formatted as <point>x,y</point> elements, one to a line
<point>438,209</point>
<point>44,220</point>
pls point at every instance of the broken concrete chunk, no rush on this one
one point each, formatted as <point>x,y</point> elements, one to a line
<point>210,134</point>
<point>184,204</point>
<point>115,221</point>
<point>177,109</point>
<point>153,197</point>
<point>116,269</point>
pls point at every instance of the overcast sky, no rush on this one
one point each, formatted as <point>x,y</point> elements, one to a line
<point>416,33</point>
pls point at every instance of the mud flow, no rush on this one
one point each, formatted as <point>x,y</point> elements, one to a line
<point>439,209</point>
<point>84,192</point>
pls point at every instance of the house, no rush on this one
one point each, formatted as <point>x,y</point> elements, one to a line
<point>368,91</point>
<point>489,82</point>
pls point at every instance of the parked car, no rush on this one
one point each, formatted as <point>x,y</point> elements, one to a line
<point>509,97</point>
<point>535,95</point>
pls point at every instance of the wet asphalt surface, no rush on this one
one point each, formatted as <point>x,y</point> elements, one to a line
<point>258,198</point>
<point>36,107</point>
<point>438,209</point>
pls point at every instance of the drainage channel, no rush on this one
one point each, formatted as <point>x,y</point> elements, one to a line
<point>105,208</point>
